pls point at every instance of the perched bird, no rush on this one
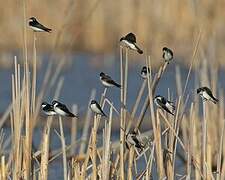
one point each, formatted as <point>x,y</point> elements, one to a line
<point>164,104</point>
<point>48,109</point>
<point>144,72</point>
<point>96,108</point>
<point>107,81</point>
<point>206,94</point>
<point>61,109</point>
<point>37,27</point>
<point>132,139</point>
<point>129,41</point>
<point>167,54</point>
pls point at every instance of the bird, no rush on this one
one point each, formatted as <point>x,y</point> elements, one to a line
<point>48,109</point>
<point>37,27</point>
<point>62,110</point>
<point>167,54</point>
<point>129,41</point>
<point>144,72</point>
<point>107,81</point>
<point>133,140</point>
<point>206,94</point>
<point>164,104</point>
<point>96,108</point>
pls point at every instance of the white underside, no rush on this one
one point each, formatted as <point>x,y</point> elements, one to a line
<point>106,84</point>
<point>50,113</point>
<point>130,139</point>
<point>170,107</point>
<point>167,56</point>
<point>144,76</point>
<point>129,45</point>
<point>36,29</point>
<point>205,95</point>
<point>156,103</point>
<point>95,109</point>
<point>59,111</point>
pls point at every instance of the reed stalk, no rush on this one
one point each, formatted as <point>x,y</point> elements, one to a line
<point>46,140</point>
<point>86,124</point>
<point>121,116</point>
<point>156,128</point>
<point>204,141</point>
<point>3,170</point>
<point>62,138</point>
<point>106,163</point>
<point>74,130</point>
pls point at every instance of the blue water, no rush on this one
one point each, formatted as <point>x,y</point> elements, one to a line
<point>82,75</point>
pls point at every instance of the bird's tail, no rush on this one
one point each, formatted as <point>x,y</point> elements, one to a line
<point>117,85</point>
<point>214,100</point>
<point>138,49</point>
<point>49,30</point>
<point>73,115</point>
<point>104,114</point>
<point>170,112</point>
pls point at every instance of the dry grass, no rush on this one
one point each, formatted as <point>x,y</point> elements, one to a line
<point>194,136</point>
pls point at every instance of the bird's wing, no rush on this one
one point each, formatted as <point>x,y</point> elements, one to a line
<point>172,104</point>
<point>137,141</point>
<point>48,107</point>
<point>111,81</point>
<point>131,37</point>
<point>163,100</point>
<point>171,52</point>
<point>209,92</point>
<point>99,107</point>
<point>40,26</point>
<point>163,106</point>
<point>63,107</point>
<point>106,76</point>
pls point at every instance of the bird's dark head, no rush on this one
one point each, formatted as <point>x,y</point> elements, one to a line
<point>44,104</point>
<point>122,38</point>
<point>32,19</point>
<point>144,69</point>
<point>54,102</point>
<point>157,97</point>
<point>93,102</point>
<point>133,132</point>
<point>199,90</point>
<point>165,49</point>
<point>102,74</point>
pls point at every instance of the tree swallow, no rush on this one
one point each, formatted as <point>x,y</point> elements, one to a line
<point>164,104</point>
<point>61,109</point>
<point>144,72</point>
<point>107,81</point>
<point>37,27</point>
<point>167,54</point>
<point>206,94</point>
<point>48,109</point>
<point>96,108</point>
<point>129,41</point>
<point>133,140</point>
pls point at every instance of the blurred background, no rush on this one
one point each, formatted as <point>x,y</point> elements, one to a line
<point>86,35</point>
